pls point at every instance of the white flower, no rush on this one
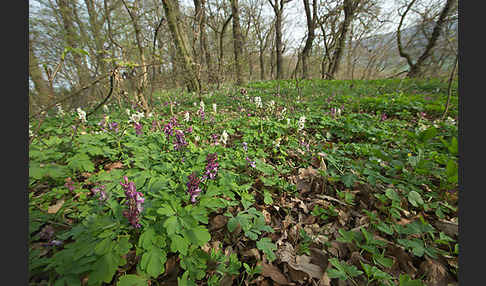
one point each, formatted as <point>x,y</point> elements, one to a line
<point>197,138</point>
<point>60,112</point>
<point>277,142</point>
<point>186,116</point>
<point>224,137</point>
<point>258,101</point>
<point>301,123</point>
<point>127,111</point>
<point>450,120</point>
<point>81,114</point>
<point>195,103</point>
<point>105,108</point>
<point>201,104</point>
<point>215,108</point>
<point>30,131</point>
<point>150,115</point>
<point>288,121</point>
<point>135,117</point>
<point>338,112</point>
<point>271,104</point>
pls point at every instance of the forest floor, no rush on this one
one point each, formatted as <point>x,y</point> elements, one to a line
<point>327,183</point>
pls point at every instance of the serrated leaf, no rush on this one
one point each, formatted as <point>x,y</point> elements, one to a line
<point>267,246</point>
<point>348,180</point>
<point>146,238</point>
<point>267,197</point>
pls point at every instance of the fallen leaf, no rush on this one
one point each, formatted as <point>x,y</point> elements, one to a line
<point>449,228</point>
<point>271,271</point>
<point>252,253</point>
<point>435,272</point>
<point>218,222</point>
<point>325,280</point>
<point>114,165</point>
<point>54,208</point>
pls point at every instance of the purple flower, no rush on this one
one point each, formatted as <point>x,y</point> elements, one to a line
<point>138,128</point>
<point>180,140</point>
<point>134,202</point>
<point>189,129</point>
<point>384,117</point>
<point>193,187</point>
<point>69,185</point>
<point>113,126</point>
<point>245,146</point>
<point>100,190</point>
<point>169,127</point>
<point>154,124</point>
<point>201,113</point>
<point>252,163</point>
<point>212,165</point>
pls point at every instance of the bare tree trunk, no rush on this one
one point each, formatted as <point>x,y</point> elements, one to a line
<point>221,50</point>
<point>96,27</point>
<point>416,68</point>
<point>40,83</point>
<point>237,42</point>
<point>278,6</point>
<point>262,64</point>
<point>311,26</point>
<point>65,9</point>
<point>179,36</point>
<point>143,80</point>
<point>349,10</point>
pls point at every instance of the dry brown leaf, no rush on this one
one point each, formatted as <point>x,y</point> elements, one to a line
<point>318,257</point>
<point>114,165</point>
<point>325,280</point>
<point>271,271</point>
<point>449,228</point>
<point>302,263</point>
<point>252,253</point>
<point>436,273</point>
<point>267,216</point>
<point>217,222</point>
<point>55,208</point>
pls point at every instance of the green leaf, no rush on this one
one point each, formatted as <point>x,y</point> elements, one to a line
<point>392,195</point>
<point>132,280</point>
<point>153,262</point>
<point>267,197</point>
<point>104,246</point>
<point>348,179</point>
<point>172,225</point>
<point>80,162</point>
<point>415,199</point>
<point>146,238</point>
<point>178,243</point>
<point>197,235</point>
<point>104,268</point>
<point>267,246</point>
<point>166,210</point>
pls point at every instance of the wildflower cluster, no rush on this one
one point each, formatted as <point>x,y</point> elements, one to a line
<point>99,190</point>
<point>180,140</point>
<point>215,108</point>
<point>212,165</point>
<point>301,123</point>
<point>186,116</point>
<point>138,128</point>
<point>134,201</point>
<point>135,117</point>
<point>169,127</point>
<point>258,102</point>
<point>193,187</point>
<point>224,137</point>
<point>105,108</point>
<point>81,114</point>
<point>60,111</point>
<point>335,112</point>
